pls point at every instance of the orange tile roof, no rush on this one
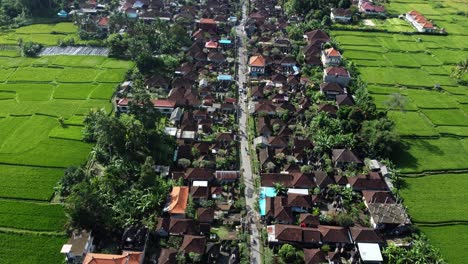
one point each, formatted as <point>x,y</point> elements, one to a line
<point>258,61</point>
<point>207,21</point>
<point>332,52</point>
<point>126,258</point>
<point>179,197</point>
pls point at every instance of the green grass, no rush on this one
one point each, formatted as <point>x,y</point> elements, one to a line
<point>75,121</point>
<point>31,215</point>
<point>432,155</point>
<point>412,124</point>
<point>447,117</point>
<point>23,182</point>
<point>117,64</point>
<point>27,249</point>
<point>450,240</point>
<point>47,34</point>
<point>76,91</point>
<point>430,201</point>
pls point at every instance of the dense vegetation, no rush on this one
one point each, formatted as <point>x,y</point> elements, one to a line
<point>127,190</point>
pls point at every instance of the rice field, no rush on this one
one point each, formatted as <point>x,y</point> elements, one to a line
<point>35,148</point>
<point>434,125</point>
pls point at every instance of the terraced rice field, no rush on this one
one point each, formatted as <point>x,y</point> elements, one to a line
<point>47,34</point>
<point>35,148</point>
<point>434,123</point>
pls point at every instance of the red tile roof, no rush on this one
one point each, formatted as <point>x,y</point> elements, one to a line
<point>207,21</point>
<point>164,103</point>
<point>257,61</point>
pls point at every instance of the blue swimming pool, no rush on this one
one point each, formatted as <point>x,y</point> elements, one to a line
<point>265,192</point>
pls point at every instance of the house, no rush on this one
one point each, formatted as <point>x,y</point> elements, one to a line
<point>207,24</point>
<point>257,65</point>
<point>175,226</point>
<point>337,75</point>
<point>371,181</point>
<point>344,100</point>
<point>167,256</point>
<point>177,201</point>
<point>420,22</point>
<point>126,257</point>
<point>193,244</point>
<point>364,235</point>
<point>308,220</point>
<point>314,256</point>
<point>293,234</point>
<point>315,35</point>
<point>164,106</point>
<point>369,8</point>
<point>224,177</point>
<point>77,246</point>
<point>342,157</point>
<point>205,215</point>
<point>371,196</point>
<point>334,235</point>
<point>199,174</point>
<point>276,209</point>
<point>331,57</point>
<point>331,90</point>
<point>340,15</point>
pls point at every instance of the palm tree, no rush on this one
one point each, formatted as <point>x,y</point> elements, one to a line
<point>460,69</point>
<point>280,189</point>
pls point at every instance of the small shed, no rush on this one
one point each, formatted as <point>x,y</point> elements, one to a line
<point>370,253</point>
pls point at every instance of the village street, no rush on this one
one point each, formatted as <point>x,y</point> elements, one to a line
<point>250,195</point>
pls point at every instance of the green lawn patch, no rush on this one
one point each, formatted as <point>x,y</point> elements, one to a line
<point>381,101</point>
<point>117,64</point>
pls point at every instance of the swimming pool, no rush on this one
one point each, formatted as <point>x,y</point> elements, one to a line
<point>265,192</point>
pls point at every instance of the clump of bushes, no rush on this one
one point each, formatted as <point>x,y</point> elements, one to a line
<point>30,49</point>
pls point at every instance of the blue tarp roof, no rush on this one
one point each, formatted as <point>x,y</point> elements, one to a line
<point>224,77</point>
<point>62,13</point>
<point>225,41</point>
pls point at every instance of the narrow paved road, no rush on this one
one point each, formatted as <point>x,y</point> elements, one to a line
<point>250,195</point>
